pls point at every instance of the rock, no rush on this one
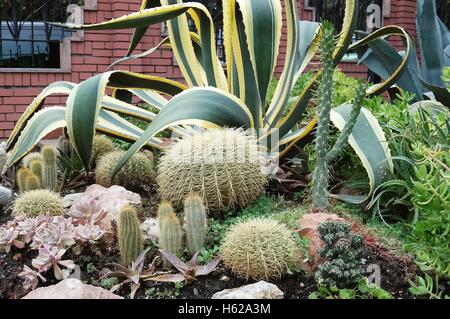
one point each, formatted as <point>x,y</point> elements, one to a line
<point>150,229</point>
<point>259,290</point>
<point>71,289</point>
<point>69,199</point>
<point>308,228</point>
<point>111,199</point>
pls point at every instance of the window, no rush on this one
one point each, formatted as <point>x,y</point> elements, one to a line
<point>26,41</point>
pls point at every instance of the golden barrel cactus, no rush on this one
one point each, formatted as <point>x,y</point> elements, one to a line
<point>224,166</point>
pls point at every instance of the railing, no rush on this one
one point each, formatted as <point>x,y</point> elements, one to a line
<point>26,41</point>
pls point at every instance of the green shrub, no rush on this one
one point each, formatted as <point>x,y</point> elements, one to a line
<point>138,172</point>
<point>38,202</point>
<point>260,248</point>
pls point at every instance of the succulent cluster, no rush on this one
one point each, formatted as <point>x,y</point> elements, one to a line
<point>343,266</point>
<point>138,172</point>
<point>260,248</point>
<point>224,166</point>
<point>51,236</point>
<point>38,202</point>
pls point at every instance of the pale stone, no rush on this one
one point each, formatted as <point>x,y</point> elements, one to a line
<point>71,288</point>
<point>259,290</point>
<point>150,229</point>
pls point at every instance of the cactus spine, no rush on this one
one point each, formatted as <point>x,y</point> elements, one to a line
<point>36,168</point>
<point>32,182</point>
<point>49,176</point>
<point>323,153</point>
<point>21,177</point>
<point>5,196</point>
<point>195,223</point>
<point>129,235</point>
<point>170,236</point>
<point>165,210</point>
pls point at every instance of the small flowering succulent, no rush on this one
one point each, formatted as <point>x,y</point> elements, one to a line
<point>8,238</point>
<point>58,233</point>
<point>52,258</point>
<point>31,278</point>
<point>88,212</point>
<point>88,233</point>
<point>28,226</point>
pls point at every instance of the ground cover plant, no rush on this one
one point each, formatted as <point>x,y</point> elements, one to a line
<point>359,207</point>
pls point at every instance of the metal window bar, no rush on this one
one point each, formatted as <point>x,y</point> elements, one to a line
<point>26,41</point>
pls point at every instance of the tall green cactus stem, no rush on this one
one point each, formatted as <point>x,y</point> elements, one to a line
<point>36,167</point>
<point>65,146</point>
<point>170,237</point>
<point>32,183</point>
<point>195,223</point>
<point>21,177</point>
<point>49,172</point>
<point>324,155</point>
<point>165,210</point>
<point>129,235</point>
<point>6,195</point>
<point>320,174</point>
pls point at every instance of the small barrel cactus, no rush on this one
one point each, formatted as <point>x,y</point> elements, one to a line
<point>170,236</point>
<point>195,223</point>
<point>38,202</point>
<point>30,157</point>
<point>224,166</point>
<point>260,248</point>
<point>101,146</point>
<point>129,235</point>
<point>6,195</point>
<point>21,177</point>
<point>165,210</point>
<point>32,182</point>
<point>36,167</point>
<point>138,172</point>
<point>49,172</point>
<point>65,146</point>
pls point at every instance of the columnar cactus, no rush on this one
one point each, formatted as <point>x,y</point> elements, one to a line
<point>165,210</point>
<point>49,176</point>
<point>31,157</point>
<point>195,223</point>
<point>322,150</point>
<point>170,236</point>
<point>32,183</point>
<point>21,176</point>
<point>36,167</point>
<point>129,235</point>
<point>5,196</point>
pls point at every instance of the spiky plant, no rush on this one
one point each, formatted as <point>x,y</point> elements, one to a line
<point>30,157</point>
<point>38,202</point>
<point>32,182</point>
<point>6,195</point>
<point>49,172</point>
<point>170,236</point>
<point>224,166</point>
<point>101,146</point>
<point>137,173</point>
<point>65,146</point>
<point>36,167</point>
<point>260,248</point>
<point>129,235</point>
<point>165,210</point>
<point>195,223</point>
<point>324,153</point>
<point>3,159</point>
<point>21,176</point>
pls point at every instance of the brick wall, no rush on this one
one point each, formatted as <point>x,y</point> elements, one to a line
<point>100,48</point>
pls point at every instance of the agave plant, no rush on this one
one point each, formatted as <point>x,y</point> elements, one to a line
<point>434,43</point>
<point>234,97</point>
